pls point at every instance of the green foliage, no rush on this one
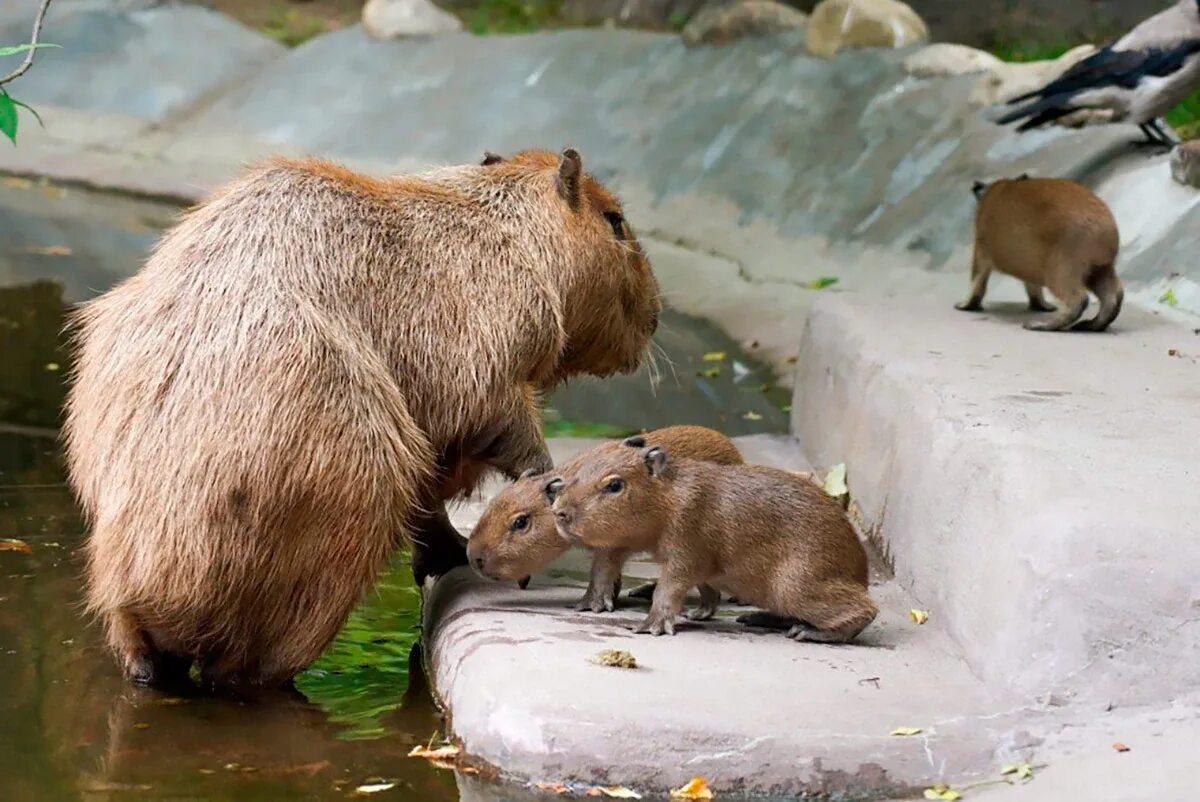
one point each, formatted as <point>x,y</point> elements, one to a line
<point>1029,50</point>
<point>364,673</point>
<point>291,27</point>
<point>554,426</point>
<point>9,104</point>
<point>511,16</point>
<point>25,48</point>
<point>1185,118</point>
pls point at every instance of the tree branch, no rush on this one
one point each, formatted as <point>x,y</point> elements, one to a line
<point>33,49</point>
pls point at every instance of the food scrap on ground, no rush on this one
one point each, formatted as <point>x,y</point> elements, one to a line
<point>918,616</point>
<point>697,788</point>
<point>616,658</point>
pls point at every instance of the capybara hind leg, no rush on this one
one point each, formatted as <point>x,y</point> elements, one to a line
<point>645,591</point>
<point>767,620</point>
<point>437,547</point>
<point>710,600</point>
<point>980,270</point>
<point>140,661</point>
<point>1037,300</point>
<point>1108,289</point>
<point>837,615</point>
<point>1075,302</point>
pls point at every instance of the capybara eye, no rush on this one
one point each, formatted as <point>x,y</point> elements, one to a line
<point>614,486</point>
<point>617,222</point>
<point>520,523</point>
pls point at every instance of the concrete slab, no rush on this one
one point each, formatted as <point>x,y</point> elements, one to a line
<point>1036,491</point>
<point>749,710</point>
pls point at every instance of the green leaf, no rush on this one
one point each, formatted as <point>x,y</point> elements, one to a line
<point>25,48</point>
<point>28,108</point>
<point>8,117</point>
<point>714,356</point>
<point>1169,298</point>
<point>822,282</point>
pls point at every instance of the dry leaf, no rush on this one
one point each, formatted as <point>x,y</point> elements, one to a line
<point>169,701</point>
<point>141,725</point>
<point>697,788</point>
<point>48,250</point>
<point>1120,747</point>
<point>207,771</point>
<point>942,791</point>
<point>15,545</point>
<point>918,616</point>
<point>714,356</point>
<point>752,416</point>
<point>1024,771</point>
<point>373,788</point>
<point>835,481</point>
<point>616,658</point>
<point>711,373</point>
<point>905,731</point>
<point>448,752</point>
<point>551,788</point>
<point>52,367</point>
<point>614,792</point>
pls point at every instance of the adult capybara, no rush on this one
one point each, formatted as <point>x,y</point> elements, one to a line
<point>307,364</point>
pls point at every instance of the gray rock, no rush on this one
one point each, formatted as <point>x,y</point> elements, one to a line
<point>1185,163</point>
<point>722,24</point>
<point>394,19</point>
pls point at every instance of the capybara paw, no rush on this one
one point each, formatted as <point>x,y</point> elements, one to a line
<point>803,632</point>
<point>140,671</point>
<point>597,601</point>
<point>969,306</point>
<point>701,613</point>
<point>645,591</point>
<point>738,602</point>
<point>766,620</point>
<point>1042,306</point>
<point>1036,325</point>
<point>657,625</point>
<point>523,582</point>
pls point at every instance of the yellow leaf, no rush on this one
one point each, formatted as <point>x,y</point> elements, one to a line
<point>373,788</point>
<point>835,481</point>
<point>752,416</point>
<point>714,356</point>
<point>697,788</point>
<point>448,752</point>
<point>942,791</point>
<point>905,731</point>
<point>141,725</point>
<point>552,788</point>
<point>15,545</point>
<point>918,616</point>
<point>710,373</point>
<point>52,366</point>
<point>615,792</point>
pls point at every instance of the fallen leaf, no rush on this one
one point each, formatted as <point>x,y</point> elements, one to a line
<point>231,767</point>
<point>752,344</point>
<point>918,616</point>
<point>1168,298</point>
<point>710,373</point>
<point>942,791</point>
<point>1172,352</point>
<point>52,367</point>
<point>18,183</point>
<point>835,481</point>
<point>615,792</point>
<point>447,752</point>
<point>616,658</point>
<point>15,545</point>
<point>373,788</point>
<point>786,407</point>
<point>170,701</point>
<point>141,725</point>
<point>1120,747</point>
<point>791,360</point>
<point>752,416</point>
<point>697,788</point>
<point>822,282</point>
<point>48,250</point>
<point>207,771</point>
<point>905,731</point>
<point>99,787</point>
<point>1023,771</point>
<point>552,788</point>
<point>714,356</point>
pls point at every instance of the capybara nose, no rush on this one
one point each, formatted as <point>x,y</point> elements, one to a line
<point>563,516</point>
<point>478,561</point>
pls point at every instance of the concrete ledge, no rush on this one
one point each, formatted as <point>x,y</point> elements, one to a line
<point>1036,491</point>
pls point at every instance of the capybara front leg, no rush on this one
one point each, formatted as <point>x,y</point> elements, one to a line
<point>437,547</point>
<point>668,602</point>
<point>605,582</point>
<point>519,445</point>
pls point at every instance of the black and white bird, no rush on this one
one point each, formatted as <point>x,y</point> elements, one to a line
<point>1139,77</point>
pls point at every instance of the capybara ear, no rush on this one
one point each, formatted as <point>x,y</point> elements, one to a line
<point>525,474</point>
<point>656,461</point>
<point>635,441</point>
<point>978,188</point>
<point>490,158</point>
<point>523,582</point>
<point>570,168</point>
<point>553,488</point>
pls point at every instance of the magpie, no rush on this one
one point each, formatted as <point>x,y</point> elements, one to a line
<point>1139,77</point>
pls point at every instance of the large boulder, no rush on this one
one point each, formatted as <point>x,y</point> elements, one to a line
<point>725,23</point>
<point>836,24</point>
<point>945,60</point>
<point>1009,79</point>
<point>392,19</point>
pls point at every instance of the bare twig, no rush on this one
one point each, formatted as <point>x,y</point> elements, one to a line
<point>33,48</point>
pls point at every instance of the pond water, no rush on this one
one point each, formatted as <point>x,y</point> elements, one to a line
<point>72,729</point>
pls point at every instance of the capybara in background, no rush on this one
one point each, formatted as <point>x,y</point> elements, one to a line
<point>307,364</point>
<point>1049,233</point>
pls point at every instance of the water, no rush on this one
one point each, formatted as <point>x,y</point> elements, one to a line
<point>71,727</point>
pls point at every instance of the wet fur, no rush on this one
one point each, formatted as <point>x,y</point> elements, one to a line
<point>499,552</point>
<point>766,536</point>
<point>1053,234</point>
<point>307,364</point>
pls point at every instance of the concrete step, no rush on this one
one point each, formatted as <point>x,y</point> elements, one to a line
<point>752,711</point>
<point>1035,491</point>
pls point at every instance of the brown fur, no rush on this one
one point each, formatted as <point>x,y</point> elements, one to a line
<point>1049,233</point>
<point>305,366</point>
<point>499,550</point>
<point>769,537</point>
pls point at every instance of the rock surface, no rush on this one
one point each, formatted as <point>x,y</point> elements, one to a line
<point>395,19</point>
<point>838,24</point>
<point>944,60</point>
<point>726,23</point>
<point>1185,163</point>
